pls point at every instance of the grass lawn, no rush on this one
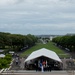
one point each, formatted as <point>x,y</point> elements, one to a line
<point>49,46</point>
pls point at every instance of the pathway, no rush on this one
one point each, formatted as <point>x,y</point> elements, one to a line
<point>19,72</point>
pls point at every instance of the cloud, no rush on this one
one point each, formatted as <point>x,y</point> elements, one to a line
<point>9,2</point>
<point>39,28</point>
<point>5,2</point>
<point>34,16</point>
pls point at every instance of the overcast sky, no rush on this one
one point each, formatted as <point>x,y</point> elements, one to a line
<point>37,16</point>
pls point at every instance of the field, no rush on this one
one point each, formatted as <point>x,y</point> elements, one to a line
<point>49,45</point>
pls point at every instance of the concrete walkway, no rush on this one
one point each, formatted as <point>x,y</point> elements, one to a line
<point>21,72</point>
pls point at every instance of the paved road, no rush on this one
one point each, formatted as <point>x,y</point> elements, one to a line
<point>19,66</point>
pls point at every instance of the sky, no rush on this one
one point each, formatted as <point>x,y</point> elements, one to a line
<point>37,17</point>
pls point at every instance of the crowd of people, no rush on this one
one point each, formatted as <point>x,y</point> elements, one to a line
<point>42,65</point>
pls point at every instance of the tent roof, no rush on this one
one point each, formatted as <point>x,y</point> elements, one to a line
<point>2,55</point>
<point>43,52</point>
<point>11,52</point>
<point>1,50</point>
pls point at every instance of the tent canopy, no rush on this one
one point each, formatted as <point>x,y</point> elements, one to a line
<point>1,50</point>
<point>43,52</point>
<point>2,55</point>
<point>11,52</point>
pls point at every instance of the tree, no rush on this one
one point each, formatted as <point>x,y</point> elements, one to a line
<point>66,42</point>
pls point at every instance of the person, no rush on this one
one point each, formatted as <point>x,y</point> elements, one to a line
<point>40,64</point>
<point>44,63</point>
<point>16,61</point>
<point>42,68</point>
<point>50,68</point>
<point>36,65</point>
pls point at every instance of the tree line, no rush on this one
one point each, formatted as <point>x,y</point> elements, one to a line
<point>67,42</point>
<point>16,41</point>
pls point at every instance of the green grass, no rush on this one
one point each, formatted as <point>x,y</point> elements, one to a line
<point>49,46</point>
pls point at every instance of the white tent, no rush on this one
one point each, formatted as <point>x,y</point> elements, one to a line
<point>43,52</point>
<point>11,52</point>
<point>1,50</point>
<point>2,55</point>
